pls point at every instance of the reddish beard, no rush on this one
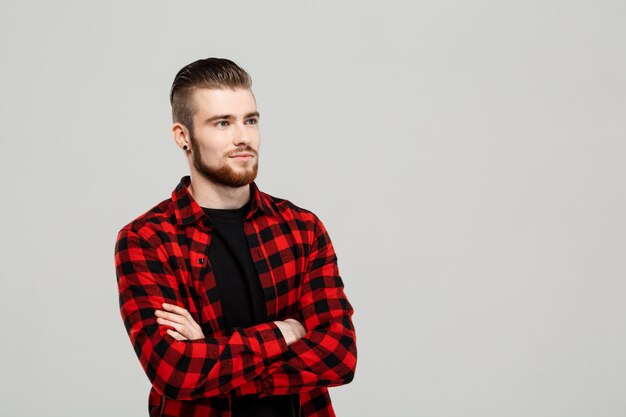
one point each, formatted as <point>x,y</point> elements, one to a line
<point>224,174</point>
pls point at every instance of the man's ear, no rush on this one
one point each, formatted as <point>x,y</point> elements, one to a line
<point>181,135</point>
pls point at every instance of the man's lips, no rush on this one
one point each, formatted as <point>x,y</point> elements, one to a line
<point>243,155</point>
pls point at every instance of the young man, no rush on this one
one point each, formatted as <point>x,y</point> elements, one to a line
<point>231,297</point>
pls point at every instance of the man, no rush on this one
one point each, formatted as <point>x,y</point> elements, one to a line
<point>231,297</point>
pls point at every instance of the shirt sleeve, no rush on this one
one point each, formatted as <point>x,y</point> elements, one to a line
<point>183,370</point>
<point>326,355</point>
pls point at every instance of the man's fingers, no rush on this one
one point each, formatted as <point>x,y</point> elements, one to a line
<point>175,309</point>
<point>181,320</point>
<point>176,335</point>
<point>171,316</point>
<point>180,328</point>
<point>180,312</point>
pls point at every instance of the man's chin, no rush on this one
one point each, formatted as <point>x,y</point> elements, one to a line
<point>230,180</point>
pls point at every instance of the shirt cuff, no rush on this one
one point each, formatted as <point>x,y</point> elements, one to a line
<point>265,340</point>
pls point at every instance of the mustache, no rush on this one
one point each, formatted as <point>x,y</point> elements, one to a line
<point>244,150</point>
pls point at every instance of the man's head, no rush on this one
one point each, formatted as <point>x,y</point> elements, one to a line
<point>212,73</point>
<point>215,117</point>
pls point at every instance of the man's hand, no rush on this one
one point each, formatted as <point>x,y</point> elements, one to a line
<point>180,319</point>
<point>292,330</point>
<point>187,329</point>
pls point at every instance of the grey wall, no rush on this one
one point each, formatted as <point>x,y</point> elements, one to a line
<point>467,159</point>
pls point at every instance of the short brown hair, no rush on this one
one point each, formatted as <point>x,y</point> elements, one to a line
<point>203,73</point>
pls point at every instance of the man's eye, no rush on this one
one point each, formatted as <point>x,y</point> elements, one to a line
<point>252,121</point>
<point>221,123</point>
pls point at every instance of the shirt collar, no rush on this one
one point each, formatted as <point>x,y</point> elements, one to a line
<point>188,211</point>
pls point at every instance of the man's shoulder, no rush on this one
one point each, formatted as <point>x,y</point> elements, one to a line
<point>282,206</point>
<point>159,216</point>
<point>294,215</point>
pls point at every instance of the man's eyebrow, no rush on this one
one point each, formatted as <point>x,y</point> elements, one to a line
<point>219,117</point>
<point>230,116</point>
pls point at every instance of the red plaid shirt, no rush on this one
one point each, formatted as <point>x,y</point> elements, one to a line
<point>162,257</point>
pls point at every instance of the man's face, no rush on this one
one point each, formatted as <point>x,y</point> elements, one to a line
<point>225,124</point>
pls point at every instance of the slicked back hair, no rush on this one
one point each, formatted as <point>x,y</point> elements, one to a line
<point>217,73</point>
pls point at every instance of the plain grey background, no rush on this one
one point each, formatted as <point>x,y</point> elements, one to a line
<point>467,158</point>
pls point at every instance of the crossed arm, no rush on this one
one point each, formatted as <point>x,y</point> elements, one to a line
<point>184,326</point>
<point>267,359</point>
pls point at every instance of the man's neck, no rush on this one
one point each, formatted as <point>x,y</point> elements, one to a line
<point>212,195</point>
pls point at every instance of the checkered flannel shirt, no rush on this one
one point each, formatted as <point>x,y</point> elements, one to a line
<point>162,256</point>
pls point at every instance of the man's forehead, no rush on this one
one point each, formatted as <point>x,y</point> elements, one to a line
<point>208,102</point>
<point>223,95</point>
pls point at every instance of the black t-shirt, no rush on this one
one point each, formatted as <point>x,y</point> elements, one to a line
<point>242,299</point>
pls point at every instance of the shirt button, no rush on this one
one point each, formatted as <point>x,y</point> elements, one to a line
<point>201,260</point>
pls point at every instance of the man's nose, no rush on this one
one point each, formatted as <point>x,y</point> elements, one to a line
<point>242,134</point>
